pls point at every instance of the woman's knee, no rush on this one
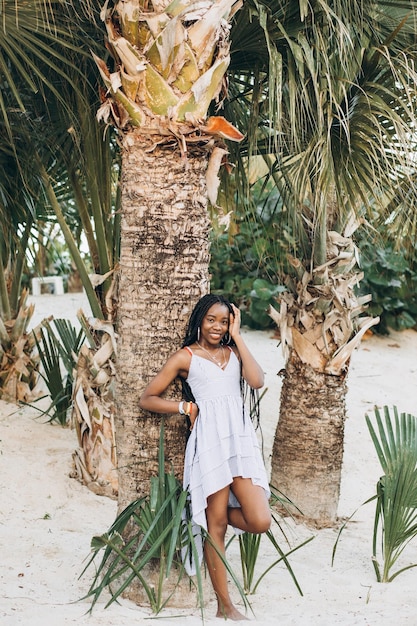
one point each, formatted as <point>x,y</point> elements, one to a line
<point>217,521</point>
<point>259,521</point>
<point>217,527</point>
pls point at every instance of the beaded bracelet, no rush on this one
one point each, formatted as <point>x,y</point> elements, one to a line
<point>183,411</point>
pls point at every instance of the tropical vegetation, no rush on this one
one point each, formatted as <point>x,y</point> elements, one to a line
<point>323,93</point>
<point>58,344</point>
<point>394,436</point>
<point>344,158</point>
<point>390,276</point>
<point>246,262</point>
<point>64,165</point>
<point>160,539</point>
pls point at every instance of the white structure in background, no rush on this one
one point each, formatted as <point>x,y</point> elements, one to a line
<point>56,282</point>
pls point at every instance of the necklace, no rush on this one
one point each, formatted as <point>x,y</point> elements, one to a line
<point>221,363</point>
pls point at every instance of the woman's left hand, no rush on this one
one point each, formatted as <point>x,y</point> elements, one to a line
<point>234,322</point>
<point>251,370</point>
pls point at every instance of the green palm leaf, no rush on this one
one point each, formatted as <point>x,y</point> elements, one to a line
<point>156,532</point>
<point>395,524</point>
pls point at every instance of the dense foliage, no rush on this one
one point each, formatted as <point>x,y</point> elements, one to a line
<point>391,279</point>
<point>238,272</point>
<point>247,267</point>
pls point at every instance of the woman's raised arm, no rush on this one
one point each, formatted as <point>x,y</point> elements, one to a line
<point>251,370</point>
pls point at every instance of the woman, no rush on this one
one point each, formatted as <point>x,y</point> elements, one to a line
<point>223,469</point>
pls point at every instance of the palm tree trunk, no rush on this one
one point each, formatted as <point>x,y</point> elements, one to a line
<point>163,272</point>
<point>321,323</point>
<point>308,446</point>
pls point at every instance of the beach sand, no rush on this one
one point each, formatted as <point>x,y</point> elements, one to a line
<point>47,519</point>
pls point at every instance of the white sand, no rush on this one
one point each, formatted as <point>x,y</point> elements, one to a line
<point>47,519</point>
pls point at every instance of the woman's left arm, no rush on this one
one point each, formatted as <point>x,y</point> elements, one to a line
<point>251,370</point>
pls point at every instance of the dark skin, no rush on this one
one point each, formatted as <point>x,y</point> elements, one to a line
<point>254,515</point>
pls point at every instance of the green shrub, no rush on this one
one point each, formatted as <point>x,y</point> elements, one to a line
<point>391,279</point>
<point>394,436</point>
<point>56,349</point>
<point>248,265</point>
<point>245,269</point>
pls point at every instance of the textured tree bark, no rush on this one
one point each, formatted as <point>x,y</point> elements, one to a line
<point>308,447</point>
<point>163,272</point>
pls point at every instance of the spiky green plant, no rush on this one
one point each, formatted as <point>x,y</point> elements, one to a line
<point>69,340</point>
<point>58,388</point>
<point>395,525</point>
<point>157,533</point>
<point>249,545</point>
<point>56,349</point>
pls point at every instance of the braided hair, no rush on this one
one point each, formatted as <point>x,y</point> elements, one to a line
<point>198,314</point>
<point>192,335</point>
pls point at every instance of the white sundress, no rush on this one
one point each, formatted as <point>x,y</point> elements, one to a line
<point>223,442</point>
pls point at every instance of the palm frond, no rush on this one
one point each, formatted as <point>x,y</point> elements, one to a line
<point>337,124</point>
<point>395,525</point>
<point>33,51</point>
<point>154,531</point>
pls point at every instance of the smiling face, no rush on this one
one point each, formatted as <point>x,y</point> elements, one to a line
<point>215,325</point>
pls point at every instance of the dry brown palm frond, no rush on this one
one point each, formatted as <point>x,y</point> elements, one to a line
<point>93,410</point>
<point>19,362</point>
<point>322,321</point>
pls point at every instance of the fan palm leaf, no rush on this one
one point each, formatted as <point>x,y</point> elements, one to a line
<point>336,136</point>
<point>339,121</point>
<point>35,39</point>
<point>395,440</point>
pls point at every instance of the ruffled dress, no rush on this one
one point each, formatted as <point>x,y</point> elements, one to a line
<point>223,442</point>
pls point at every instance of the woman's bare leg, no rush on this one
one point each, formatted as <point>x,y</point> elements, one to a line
<point>254,515</point>
<point>217,520</point>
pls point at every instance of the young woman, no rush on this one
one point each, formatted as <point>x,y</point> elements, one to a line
<point>223,469</point>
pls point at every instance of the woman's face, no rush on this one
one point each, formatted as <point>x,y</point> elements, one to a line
<point>215,324</point>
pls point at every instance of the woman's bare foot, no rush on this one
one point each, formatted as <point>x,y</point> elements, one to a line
<point>232,613</point>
